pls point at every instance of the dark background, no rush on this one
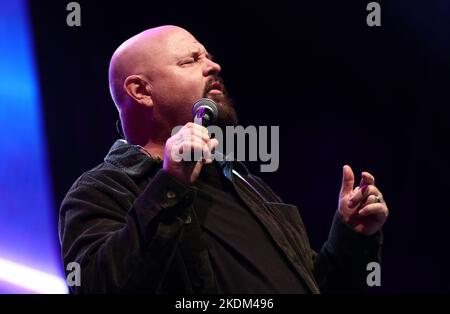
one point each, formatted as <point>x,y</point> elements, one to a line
<point>341,92</point>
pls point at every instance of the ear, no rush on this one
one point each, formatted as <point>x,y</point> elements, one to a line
<point>138,89</point>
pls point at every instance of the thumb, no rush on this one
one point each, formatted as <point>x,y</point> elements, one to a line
<point>348,180</point>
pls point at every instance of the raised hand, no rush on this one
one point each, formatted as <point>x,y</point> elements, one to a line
<point>363,208</point>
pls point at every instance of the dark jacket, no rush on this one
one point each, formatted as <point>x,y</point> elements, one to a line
<point>132,227</point>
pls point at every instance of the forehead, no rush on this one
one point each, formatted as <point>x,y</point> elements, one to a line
<point>183,43</point>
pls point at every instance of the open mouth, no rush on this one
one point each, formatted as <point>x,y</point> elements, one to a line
<point>216,88</point>
<point>215,91</point>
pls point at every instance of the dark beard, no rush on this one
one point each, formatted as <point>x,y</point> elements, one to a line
<point>227,114</point>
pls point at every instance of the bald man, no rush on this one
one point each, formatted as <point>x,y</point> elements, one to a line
<point>143,221</point>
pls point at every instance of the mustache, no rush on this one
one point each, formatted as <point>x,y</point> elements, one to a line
<point>215,82</point>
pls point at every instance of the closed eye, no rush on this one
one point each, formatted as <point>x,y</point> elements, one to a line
<point>189,60</point>
<point>195,57</point>
<point>192,59</point>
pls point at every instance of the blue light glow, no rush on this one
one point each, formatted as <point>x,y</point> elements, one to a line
<point>28,234</point>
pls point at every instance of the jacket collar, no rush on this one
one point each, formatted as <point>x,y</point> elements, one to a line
<point>132,159</point>
<point>136,162</point>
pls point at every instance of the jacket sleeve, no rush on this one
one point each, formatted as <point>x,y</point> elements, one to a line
<point>121,249</point>
<point>341,265</point>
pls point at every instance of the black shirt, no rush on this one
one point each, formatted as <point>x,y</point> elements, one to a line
<point>244,257</point>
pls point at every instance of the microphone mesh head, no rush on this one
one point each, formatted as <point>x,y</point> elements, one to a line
<point>206,110</point>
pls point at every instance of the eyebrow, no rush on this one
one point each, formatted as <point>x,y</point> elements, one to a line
<point>199,51</point>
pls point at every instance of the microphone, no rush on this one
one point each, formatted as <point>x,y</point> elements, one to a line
<point>205,112</point>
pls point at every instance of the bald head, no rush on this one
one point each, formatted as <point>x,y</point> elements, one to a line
<point>137,56</point>
<point>156,76</point>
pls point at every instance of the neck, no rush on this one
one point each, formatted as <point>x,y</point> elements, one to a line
<point>155,148</point>
<point>145,132</point>
<point>156,140</point>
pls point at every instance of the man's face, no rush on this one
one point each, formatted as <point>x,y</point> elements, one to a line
<point>184,72</point>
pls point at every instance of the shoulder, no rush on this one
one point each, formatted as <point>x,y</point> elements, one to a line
<point>105,184</point>
<point>105,174</point>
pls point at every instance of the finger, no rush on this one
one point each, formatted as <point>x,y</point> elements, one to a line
<point>188,125</point>
<point>212,144</point>
<point>363,193</point>
<point>175,154</point>
<point>201,132</point>
<point>348,180</point>
<point>191,144</point>
<point>371,199</point>
<point>196,133</point>
<point>206,158</point>
<point>367,179</point>
<point>379,210</point>
<point>194,130</point>
<point>194,150</point>
<point>355,190</point>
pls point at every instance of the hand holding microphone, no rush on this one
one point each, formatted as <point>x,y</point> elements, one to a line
<point>192,138</point>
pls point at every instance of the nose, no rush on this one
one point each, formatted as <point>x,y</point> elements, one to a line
<point>211,68</point>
